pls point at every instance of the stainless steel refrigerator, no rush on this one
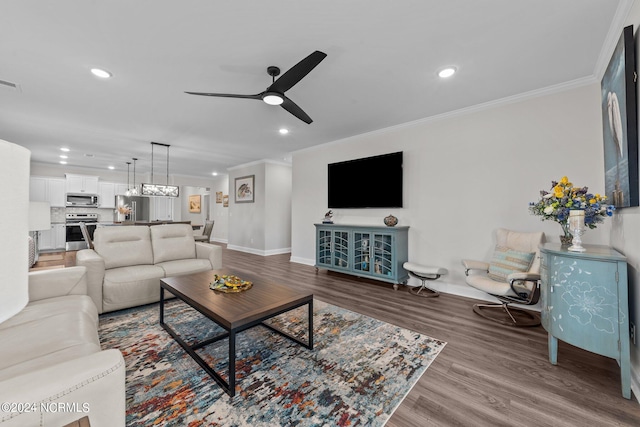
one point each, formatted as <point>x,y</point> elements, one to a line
<point>132,208</point>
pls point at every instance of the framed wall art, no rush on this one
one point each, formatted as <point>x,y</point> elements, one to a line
<point>194,203</point>
<point>620,124</point>
<point>218,196</point>
<point>225,201</point>
<point>245,192</point>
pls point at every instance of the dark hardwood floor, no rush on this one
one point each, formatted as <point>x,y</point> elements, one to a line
<point>487,375</point>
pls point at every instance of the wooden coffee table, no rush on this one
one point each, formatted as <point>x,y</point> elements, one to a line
<point>235,312</point>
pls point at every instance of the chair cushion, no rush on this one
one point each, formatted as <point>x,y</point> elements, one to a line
<point>506,261</point>
<point>122,246</point>
<point>172,242</point>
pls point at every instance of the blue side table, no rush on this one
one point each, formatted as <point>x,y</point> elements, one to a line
<point>585,303</point>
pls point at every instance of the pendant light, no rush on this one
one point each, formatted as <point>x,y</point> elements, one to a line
<point>159,189</point>
<point>134,190</point>
<point>128,192</point>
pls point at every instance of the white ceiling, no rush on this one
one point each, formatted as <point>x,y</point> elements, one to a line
<point>380,70</point>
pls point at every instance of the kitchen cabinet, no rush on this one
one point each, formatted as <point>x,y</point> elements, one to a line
<point>365,251</point>
<point>52,190</point>
<point>82,184</point>
<point>107,195</point>
<point>161,208</point>
<point>52,239</point>
<point>584,302</point>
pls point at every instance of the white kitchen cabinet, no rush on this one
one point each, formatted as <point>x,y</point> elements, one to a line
<point>162,208</point>
<point>52,190</point>
<point>38,189</point>
<point>82,184</point>
<point>52,239</point>
<point>107,195</point>
<point>57,192</point>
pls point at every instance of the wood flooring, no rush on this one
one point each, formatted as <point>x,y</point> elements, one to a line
<point>487,375</point>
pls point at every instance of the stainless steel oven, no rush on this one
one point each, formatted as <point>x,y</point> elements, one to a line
<point>74,240</point>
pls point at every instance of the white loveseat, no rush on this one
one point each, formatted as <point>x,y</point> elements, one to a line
<point>52,369</point>
<point>125,267</point>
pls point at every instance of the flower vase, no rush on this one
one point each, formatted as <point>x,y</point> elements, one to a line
<point>577,227</point>
<point>567,238</point>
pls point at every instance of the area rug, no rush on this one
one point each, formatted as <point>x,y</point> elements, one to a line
<point>357,375</point>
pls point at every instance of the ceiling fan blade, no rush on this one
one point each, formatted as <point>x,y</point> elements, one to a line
<point>291,107</point>
<point>297,72</point>
<point>227,95</point>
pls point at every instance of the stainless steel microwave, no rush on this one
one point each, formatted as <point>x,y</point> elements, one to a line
<point>82,200</point>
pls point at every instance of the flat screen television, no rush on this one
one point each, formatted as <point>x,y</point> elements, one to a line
<point>371,182</point>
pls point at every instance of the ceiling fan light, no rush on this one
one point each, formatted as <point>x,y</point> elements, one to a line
<point>103,74</point>
<point>447,72</point>
<point>272,98</point>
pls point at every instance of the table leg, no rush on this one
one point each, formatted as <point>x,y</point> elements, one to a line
<point>232,363</point>
<point>310,320</point>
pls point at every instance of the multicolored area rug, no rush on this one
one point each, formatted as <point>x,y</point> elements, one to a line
<point>357,374</point>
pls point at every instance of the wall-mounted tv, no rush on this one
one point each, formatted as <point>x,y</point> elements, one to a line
<point>371,182</point>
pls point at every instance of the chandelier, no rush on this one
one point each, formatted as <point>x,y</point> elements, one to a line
<point>164,190</point>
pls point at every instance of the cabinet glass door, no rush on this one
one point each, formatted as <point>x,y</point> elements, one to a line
<point>584,304</point>
<point>383,254</point>
<point>341,249</point>
<point>362,252</point>
<point>324,247</point>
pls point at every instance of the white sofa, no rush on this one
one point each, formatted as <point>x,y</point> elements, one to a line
<point>52,369</point>
<point>125,267</point>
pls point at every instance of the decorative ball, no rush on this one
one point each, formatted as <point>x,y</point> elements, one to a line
<point>390,221</point>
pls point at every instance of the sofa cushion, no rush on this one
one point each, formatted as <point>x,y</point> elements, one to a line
<point>131,286</point>
<point>53,306</point>
<point>172,242</point>
<point>44,342</point>
<point>121,246</point>
<point>185,266</point>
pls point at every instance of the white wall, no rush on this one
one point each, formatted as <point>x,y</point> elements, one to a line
<point>278,208</point>
<point>264,226</point>
<point>465,176</point>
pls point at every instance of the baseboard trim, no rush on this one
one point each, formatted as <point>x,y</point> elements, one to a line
<point>305,261</point>
<point>225,241</point>
<point>260,252</point>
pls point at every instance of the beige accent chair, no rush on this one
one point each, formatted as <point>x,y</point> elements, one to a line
<point>520,286</point>
<point>206,233</point>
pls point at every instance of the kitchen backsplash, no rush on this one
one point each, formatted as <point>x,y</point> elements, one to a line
<point>58,214</point>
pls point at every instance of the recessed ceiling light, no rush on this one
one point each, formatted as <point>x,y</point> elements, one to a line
<point>64,156</point>
<point>62,162</point>
<point>284,131</point>
<point>65,149</point>
<point>112,167</point>
<point>215,174</point>
<point>447,72</point>
<point>103,74</point>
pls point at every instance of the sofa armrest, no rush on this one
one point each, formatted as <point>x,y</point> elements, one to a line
<point>92,386</point>
<point>94,264</point>
<point>213,252</point>
<point>56,283</point>
<point>474,265</point>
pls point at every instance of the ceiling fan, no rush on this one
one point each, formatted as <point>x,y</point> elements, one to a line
<point>274,94</point>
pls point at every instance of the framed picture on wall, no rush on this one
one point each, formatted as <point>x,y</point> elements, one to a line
<point>620,125</point>
<point>225,201</point>
<point>218,196</point>
<point>194,203</point>
<point>245,191</point>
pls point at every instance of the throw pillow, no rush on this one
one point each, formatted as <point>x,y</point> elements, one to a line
<point>506,261</point>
